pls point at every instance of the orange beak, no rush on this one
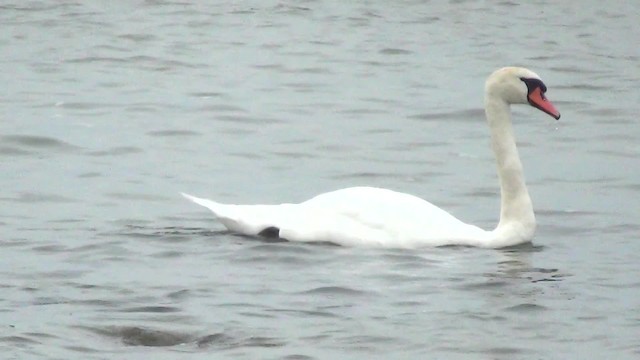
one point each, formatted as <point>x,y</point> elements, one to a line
<point>537,99</point>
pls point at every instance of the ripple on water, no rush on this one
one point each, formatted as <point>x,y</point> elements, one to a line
<point>118,150</point>
<point>35,198</point>
<point>151,337</point>
<point>526,308</point>
<point>335,291</point>
<point>173,133</point>
<point>30,144</point>
<point>461,115</point>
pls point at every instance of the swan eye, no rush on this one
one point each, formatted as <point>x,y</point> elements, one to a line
<point>533,84</point>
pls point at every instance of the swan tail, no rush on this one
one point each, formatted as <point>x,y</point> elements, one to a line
<point>244,219</point>
<point>209,204</point>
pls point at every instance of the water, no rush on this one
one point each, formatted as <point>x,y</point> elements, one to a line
<point>108,110</point>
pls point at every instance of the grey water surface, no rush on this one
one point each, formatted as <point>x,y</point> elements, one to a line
<point>108,109</point>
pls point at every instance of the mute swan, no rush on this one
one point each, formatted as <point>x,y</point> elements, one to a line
<point>368,216</point>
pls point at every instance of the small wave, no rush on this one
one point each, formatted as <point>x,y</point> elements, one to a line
<point>25,143</point>
<point>394,51</point>
<point>461,115</point>
<point>139,336</point>
<point>42,198</point>
<point>151,309</point>
<point>143,336</point>
<point>526,307</point>
<point>173,133</point>
<point>119,150</point>
<point>334,290</point>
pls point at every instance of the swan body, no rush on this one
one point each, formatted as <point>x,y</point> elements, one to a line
<point>374,217</point>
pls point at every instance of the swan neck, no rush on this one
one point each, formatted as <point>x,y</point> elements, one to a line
<point>517,220</point>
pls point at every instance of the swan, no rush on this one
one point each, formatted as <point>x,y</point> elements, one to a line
<point>375,217</point>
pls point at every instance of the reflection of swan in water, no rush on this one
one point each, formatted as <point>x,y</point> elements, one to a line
<point>517,263</point>
<point>367,216</point>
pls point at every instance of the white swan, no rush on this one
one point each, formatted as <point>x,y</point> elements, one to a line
<point>367,216</point>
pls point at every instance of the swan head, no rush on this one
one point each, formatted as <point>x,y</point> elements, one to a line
<point>517,85</point>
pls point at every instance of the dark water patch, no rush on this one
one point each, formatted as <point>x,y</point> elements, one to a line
<point>118,150</point>
<point>206,95</point>
<point>422,20</point>
<point>567,213</point>
<point>394,51</point>
<point>17,340</point>
<point>306,313</point>
<point>138,38</point>
<point>169,234</point>
<point>297,357</point>
<point>222,108</point>
<point>7,243</point>
<point>502,351</point>
<point>11,151</point>
<point>95,59</point>
<point>551,278</point>
<point>36,142</point>
<point>490,193</point>
<point>245,119</point>
<point>416,145</point>
<point>294,155</point>
<point>459,115</point>
<point>99,303</point>
<point>49,249</point>
<point>32,7</point>
<point>36,198</point>
<point>304,87</point>
<point>91,174</point>
<point>47,300</point>
<point>224,341</point>
<point>173,133</point>
<point>379,100</point>
<point>273,67</point>
<point>411,304</point>
<point>615,153</point>
<point>368,342</point>
<point>311,70</point>
<point>368,175</point>
<point>136,196</point>
<point>607,112</point>
<point>88,105</point>
<point>260,315</point>
<point>154,63</point>
<point>81,349</point>
<point>179,294</point>
<point>247,155</point>
<point>40,335</point>
<point>237,131</point>
<point>484,285</point>
<point>281,248</point>
<point>574,69</point>
<point>167,254</point>
<point>66,221</point>
<point>526,308</point>
<point>335,290</point>
<point>486,317</point>
<point>145,108</point>
<point>625,229</point>
<point>567,230</point>
<point>364,111</point>
<point>241,305</point>
<point>404,257</point>
<point>582,87</point>
<point>151,309</point>
<point>140,336</point>
<point>598,179</point>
